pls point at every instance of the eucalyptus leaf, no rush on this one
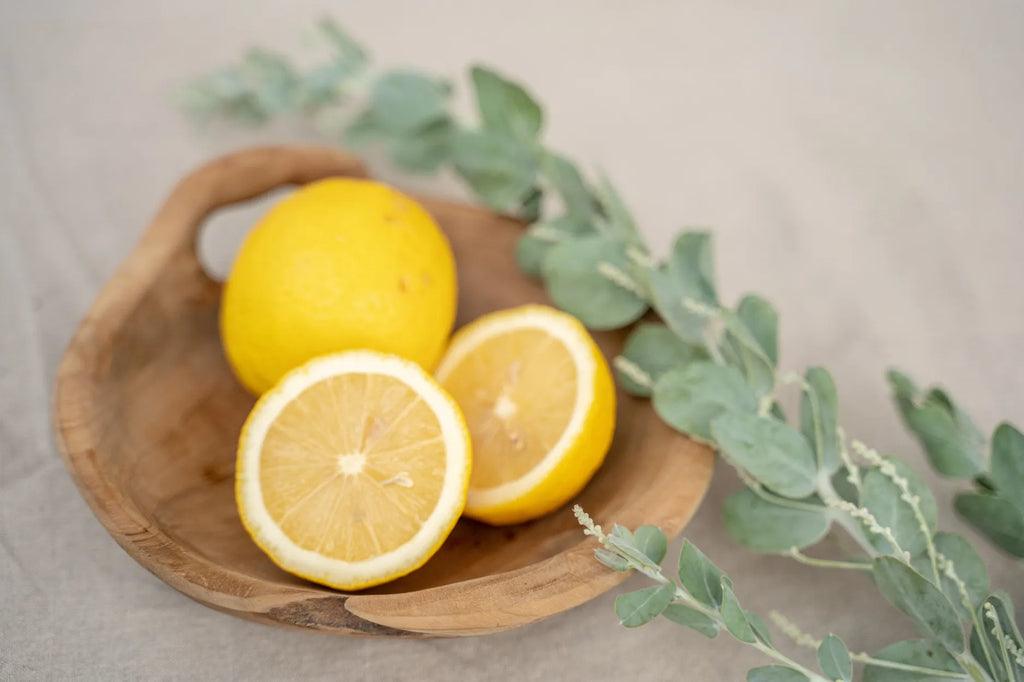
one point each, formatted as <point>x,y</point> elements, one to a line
<point>623,533</point>
<point>505,106</point>
<point>741,349</point>
<point>653,348</point>
<point>881,497</point>
<point>689,398</point>
<point>819,410</point>
<point>775,673</point>
<point>652,542</point>
<point>949,437</point>
<point>568,183</point>
<point>534,245</point>
<point>611,559</point>
<point>641,606</point>
<point>688,275</point>
<point>701,578</point>
<point>834,659</point>
<point>998,518</point>
<point>916,652</point>
<point>968,566</point>
<point>914,595</point>
<point>995,664</point>
<point>347,49</point>
<point>426,150</point>
<point>761,318</point>
<point>500,169</point>
<point>618,219</point>
<point>773,452</point>
<point>405,101</point>
<point>759,627</point>
<point>691,618</point>
<point>1008,463</point>
<point>579,277</point>
<point>735,618</point>
<point>767,527</point>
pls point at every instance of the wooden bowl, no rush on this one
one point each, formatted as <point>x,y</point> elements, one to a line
<point>148,415</point>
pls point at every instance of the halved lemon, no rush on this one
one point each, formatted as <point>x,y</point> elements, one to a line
<point>540,404</point>
<point>353,469</point>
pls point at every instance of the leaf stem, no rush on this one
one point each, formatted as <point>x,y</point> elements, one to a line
<point>827,563</point>
<point>907,667</point>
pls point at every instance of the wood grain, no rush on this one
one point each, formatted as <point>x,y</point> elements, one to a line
<point>148,414</point>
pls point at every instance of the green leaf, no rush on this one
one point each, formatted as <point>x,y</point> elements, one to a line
<point>618,219</point>
<point>347,48</point>
<point>405,101</point>
<point>916,652</point>
<point>882,498</point>
<point>996,665</point>
<point>741,349</point>
<point>499,168</point>
<point>968,566</point>
<point>701,578</point>
<point>504,106</point>
<point>767,527</point>
<point>689,398</point>
<point>759,627</point>
<point>760,317</point>
<point>914,595</point>
<point>652,542</point>
<point>1008,463</point>
<point>641,606</point>
<point>653,348</point>
<point>819,420</point>
<point>997,518</point>
<point>611,559</point>
<point>735,618</point>
<point>534,245</point>
<point>568,183</point>
<point>775,673</point>
<point>688,274</point>
<point>772,452</point>
<point>949,437</point>
<point>691,618</point>
<point>577,277</point>
<point>834,659</point>
<point>425,150</point>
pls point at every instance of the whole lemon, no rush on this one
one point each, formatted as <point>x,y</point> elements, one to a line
<point>340,264</point>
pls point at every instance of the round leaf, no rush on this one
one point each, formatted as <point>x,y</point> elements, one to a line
<point>500,169</point>
<point>996,517</point>
<point>916,652</point>
<point>534,245</point>
<point>914,595</point>
<point>701,578</point>
<point>1008,463</point>
<point>773,452</point>
<point>881,497</point>
<point>652,542</point>
<point>655,349</point>
<point>404,101</point>
<point>505,106</point>
<point>637,608</point>
<point>691,618</point>
<point>834,659</point>
<point>689,398</point>
<point>574,279</point>
<point>767,527</point>
<point>819,417</point>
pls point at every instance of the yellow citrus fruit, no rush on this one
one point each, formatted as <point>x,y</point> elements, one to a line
<point>540,404</point>
<point>353,470</point>
<point>340,264</point>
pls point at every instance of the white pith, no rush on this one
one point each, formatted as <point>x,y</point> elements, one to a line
<point>448,508</point>
<point>569,333</point>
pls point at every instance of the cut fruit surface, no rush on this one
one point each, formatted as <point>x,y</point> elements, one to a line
<point>353,470</point>
<point>540,405</point>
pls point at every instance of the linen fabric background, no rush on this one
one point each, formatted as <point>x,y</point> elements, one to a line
<point>861,164</point>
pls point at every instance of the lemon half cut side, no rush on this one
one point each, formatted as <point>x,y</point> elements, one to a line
<point>353,469</point>
<point>539,402</point>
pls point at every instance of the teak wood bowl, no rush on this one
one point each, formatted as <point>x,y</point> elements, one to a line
<point>148,414</point>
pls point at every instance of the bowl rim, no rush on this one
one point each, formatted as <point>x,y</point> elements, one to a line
<point>561,581</point>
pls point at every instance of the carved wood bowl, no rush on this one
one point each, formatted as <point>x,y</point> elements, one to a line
<point>148,415</point>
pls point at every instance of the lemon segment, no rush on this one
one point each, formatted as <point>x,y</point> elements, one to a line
<point>341,264</point>
<point>353,470</point>
<point>539,401</point>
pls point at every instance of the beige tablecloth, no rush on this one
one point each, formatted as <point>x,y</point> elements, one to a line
<point>861,163</point>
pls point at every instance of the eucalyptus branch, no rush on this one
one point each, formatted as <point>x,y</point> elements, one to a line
<point>710,369</point>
